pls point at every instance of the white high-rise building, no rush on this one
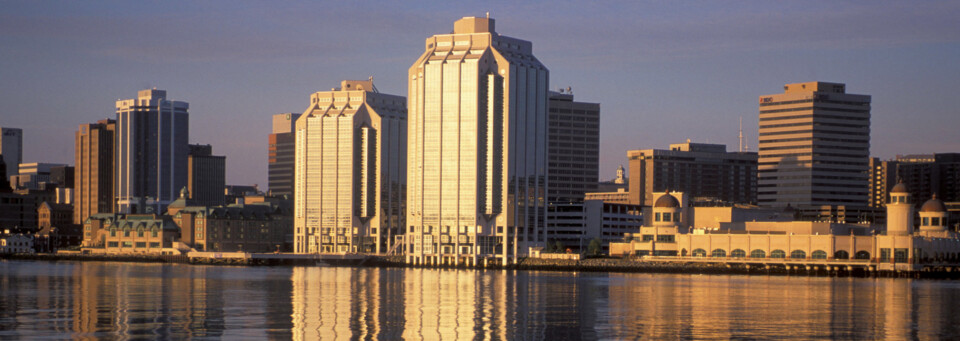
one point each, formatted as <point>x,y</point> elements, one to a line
<point>350,171</point>
<point>151,151</point>
<point>477,162</point>
<point>814,147</point>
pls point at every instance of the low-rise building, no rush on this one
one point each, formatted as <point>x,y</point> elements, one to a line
<point>15,243</point>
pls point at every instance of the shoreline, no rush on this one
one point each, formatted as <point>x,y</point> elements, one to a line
<point>608,265</point>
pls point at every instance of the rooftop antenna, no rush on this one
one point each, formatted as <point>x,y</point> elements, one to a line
<point>488,15</point>
<point>740,134</point>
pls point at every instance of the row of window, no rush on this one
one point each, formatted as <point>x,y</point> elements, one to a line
<point>758,253</point>
<point>140,245</point>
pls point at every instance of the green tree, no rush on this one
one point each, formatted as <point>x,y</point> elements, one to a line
<point>558,247</point>
<point>548,248</point>
<point>595,247</point>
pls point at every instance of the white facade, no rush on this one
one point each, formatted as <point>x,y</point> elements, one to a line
<point>478,146</point>
<point>349,176</point>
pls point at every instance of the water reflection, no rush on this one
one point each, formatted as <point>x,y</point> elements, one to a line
<point>127,300</point>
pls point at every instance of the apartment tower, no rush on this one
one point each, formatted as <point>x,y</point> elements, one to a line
<point>478,146</point>
<point>151,151</point>
<point>814,147</point>
<point>281,154</point>
<point>350,170</point>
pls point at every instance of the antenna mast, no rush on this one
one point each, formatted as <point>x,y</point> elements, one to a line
<point>740,134</point>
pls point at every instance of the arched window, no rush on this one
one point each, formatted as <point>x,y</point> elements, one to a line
<point>718,253</point>
<point>683,252</point>
<point>862,255</point>
<point>819,254</point>
<point>841,255</point>
<point>758,254</point>
<point>778,254</point>
<point>738,253</point>
<point>699,253</point>
<point>798,254</point>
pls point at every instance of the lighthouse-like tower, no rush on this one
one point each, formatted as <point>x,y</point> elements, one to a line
<point>899,211</point>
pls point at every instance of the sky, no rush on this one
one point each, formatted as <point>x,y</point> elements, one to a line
<point>663,71</point>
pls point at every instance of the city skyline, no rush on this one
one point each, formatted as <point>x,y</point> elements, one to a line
<point>669,64</point>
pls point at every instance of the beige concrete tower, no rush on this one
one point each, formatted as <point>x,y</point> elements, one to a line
<point>814,146</point>
<point>900,211</point>
<point>478,146</point>
<point>349,176</point>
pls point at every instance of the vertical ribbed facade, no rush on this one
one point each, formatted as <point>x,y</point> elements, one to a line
<point>151,151</point>
<point>814,146</point>
<point>350,171</point>
<point>478,146</point>
<point>93,170</point>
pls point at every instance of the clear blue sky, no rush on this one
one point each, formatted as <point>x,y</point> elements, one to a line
<point>663,71</point>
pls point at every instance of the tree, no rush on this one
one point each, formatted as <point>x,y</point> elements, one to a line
<point>595,247</point>
<point>558,247</point>
<point>548,248</point>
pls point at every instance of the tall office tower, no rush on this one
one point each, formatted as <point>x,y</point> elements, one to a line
<point>814,146</point>
<point>206,175</point>
<point>883,176</point>
<point>281,154</point>
<point>11,149</point>
<point>478,146</point>
<point>929,174</point>
<point>350,170</point>
<point>706,173</point>
<point>151,151</point>
<point>93,170</point>
<point>573,143</point>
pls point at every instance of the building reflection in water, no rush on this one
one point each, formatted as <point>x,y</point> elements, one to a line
<point>92,300</point>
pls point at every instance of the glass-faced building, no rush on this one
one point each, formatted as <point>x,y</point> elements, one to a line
<point>477,163</point>
<point>349,176</point>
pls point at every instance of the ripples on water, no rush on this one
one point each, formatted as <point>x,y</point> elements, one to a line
<point>134,300</point>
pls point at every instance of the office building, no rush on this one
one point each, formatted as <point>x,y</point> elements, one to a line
<point>477,148</point>
<point>35,175</point>
<point>705,172</point>
<point>350,159</point>
<point>281,154</point>
<point>814,146</point>
<point>573,146</point>
<point>206,175</point>
<point>11,149</point>
<point>93,177</point>
<point>883,176</point>
<point>151,151</point>
<point>931,174</point>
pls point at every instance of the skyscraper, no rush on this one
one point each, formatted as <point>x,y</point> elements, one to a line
<point>350,170</point>
<point>151,151</point>
<point>478,146</point>
<point>206,175</point>
<point>94,168</point>
<point>281,154</point>
<point>11,149</point>
<point>814,146</point>
<point>574,148</point>
<point>705,172</point>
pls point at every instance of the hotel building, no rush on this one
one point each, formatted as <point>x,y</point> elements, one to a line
<point>814,146</point>
<point>477,148</point>
<point>350,170</point>
<point>151,151</point>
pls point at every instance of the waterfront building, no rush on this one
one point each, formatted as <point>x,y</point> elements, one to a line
<point>573,146</point>
<point>477,147</point>
<point>94,168</point>
<point>134,234</point>
<point>247,227</point>
<point>15,243</point>
<point>814,146</point>
<point>11,149</point>
<point>706,172</point>
<point>281,154</point>
<point>206,175</point>
<point>575,225</point>
<point>151,151</point>
<point>56,227</point>
<point>895,246</point>
<point>350,164</point>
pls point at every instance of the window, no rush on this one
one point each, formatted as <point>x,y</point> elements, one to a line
<point>112,244</point>
<point>778,254</point>
<point>862,255</point>
<point>718,253</point>
<point>884,255</point>
<point>665,238</point>
<point>841,255</point>
<point>935,221</point>
<point>901,255</point>
<point>155,233</point>
<point>666,216</point>
<point>758,254</point>
<point>140,233</point>
<point>656,216</point>
<point>155,245</point>
<point>113,233</point>
<point>126,233</point>
<point>141,244</point>
<point>699,253</point>
<point>926,221</point>
<point>738,253</point>
<point>819,254</point>
<point>647,238</point>
<point>798,254</point>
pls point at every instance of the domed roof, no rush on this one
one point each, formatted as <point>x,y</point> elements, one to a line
<point>899,188</point>
<point>667,201</point>
<point>933,205</point>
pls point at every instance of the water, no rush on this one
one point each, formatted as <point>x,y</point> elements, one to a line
<point>137,300</point>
